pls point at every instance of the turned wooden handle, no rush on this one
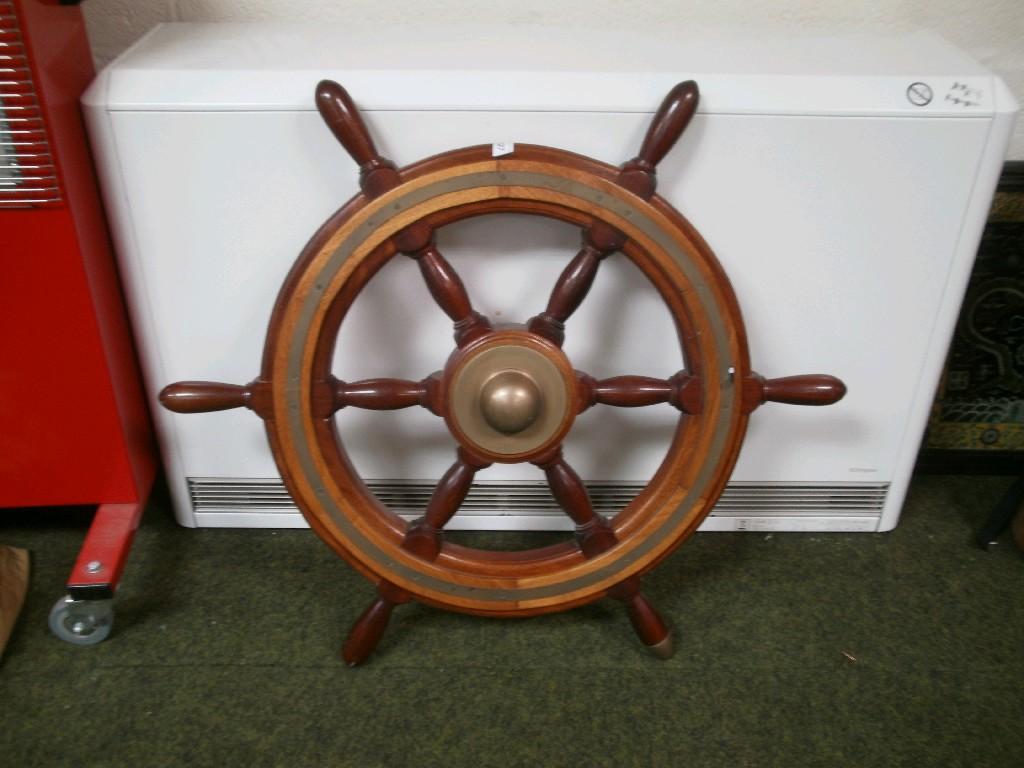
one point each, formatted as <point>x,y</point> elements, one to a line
<point>206,396</point>
<point>367,632</point>
<point>810,389</point>
<point>669,122</point>
<point>639,175</point>
<point>203,396</point>
<point>342,117</point>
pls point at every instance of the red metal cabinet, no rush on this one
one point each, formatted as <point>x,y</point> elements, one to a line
<point>74,427</point>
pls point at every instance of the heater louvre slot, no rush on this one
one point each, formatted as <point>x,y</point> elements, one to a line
<point>247,495</point>
<point>27,174</point>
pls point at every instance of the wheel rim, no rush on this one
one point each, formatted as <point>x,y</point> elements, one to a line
<point>355,243</point>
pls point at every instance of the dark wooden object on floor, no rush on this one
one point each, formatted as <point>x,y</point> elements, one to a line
<point>507,394</point>
<point>1008,513</point>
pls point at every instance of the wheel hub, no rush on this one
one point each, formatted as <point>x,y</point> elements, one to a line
<point>510,401</point>
<point>510,396</point>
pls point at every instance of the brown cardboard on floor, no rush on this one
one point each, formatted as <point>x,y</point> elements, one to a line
<point>13,583</point>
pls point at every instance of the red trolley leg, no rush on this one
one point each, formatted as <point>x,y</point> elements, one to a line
<point>86,615</point>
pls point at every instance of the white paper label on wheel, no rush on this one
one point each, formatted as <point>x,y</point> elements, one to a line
<point>500,148</point>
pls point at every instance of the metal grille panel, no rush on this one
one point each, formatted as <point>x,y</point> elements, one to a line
<point>247,495</point>
<point>28,176</point>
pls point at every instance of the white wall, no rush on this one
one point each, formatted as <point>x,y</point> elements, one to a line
<point>991,30</point>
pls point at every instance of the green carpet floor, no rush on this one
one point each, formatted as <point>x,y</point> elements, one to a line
<point>893,649</point>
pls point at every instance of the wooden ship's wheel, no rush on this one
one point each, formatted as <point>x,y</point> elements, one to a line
<point>509,393</point>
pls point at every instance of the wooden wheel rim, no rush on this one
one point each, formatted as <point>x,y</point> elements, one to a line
<point>344,255</point>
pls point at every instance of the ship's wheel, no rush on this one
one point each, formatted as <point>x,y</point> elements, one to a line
<point>509,393</point>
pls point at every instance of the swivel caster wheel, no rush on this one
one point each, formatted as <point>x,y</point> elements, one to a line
<point>507,393</point>
<point>82,622</point>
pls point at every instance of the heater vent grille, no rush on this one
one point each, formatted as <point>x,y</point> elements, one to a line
<point>28,176</point>
<point>248,495</point>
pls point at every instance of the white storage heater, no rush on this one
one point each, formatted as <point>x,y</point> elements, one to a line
<point>842,183</point>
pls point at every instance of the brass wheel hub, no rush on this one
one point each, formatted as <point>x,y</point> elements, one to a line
<point>510,401</point>
<point>511,396</point>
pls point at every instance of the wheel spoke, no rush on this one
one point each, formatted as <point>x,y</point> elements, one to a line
<point>601,239</point>
<point>593,532</point>
<point>417,242</point>
<point>386,394</point>
<point>424,535</point>
<point>449,292</point>
<point>567,295</point>
<point>376,176</point>
<point>682,391</point>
